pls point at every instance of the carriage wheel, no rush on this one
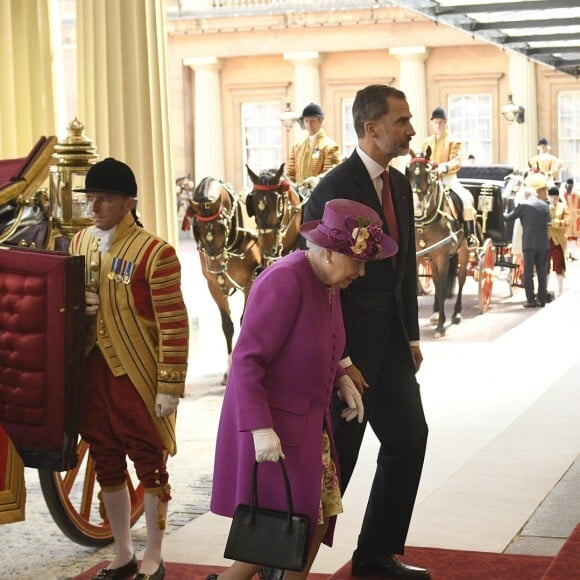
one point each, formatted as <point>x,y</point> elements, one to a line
<point>425,276</point>
<point>71,497</point>
<point>486,275</point>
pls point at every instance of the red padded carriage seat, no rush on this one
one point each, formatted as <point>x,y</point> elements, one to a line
<point>26,173</point>
<point>42,322</point>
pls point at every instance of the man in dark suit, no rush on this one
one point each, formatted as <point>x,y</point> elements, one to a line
<point>534,213</point>
<point>382,330</point>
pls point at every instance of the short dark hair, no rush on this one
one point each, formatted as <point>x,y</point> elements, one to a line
<point>370,103</point>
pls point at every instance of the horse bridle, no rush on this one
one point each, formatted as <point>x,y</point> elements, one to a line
<point>280,190</point>
<point>435,188</point>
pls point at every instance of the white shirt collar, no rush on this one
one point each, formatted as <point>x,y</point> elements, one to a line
<point>373,168</point>
<point>105,237</point>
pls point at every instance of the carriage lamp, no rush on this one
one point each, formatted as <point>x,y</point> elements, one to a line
<point>485,204</point>
<point>512,113</point>
<point>69,211</point>
<point>288,116</point>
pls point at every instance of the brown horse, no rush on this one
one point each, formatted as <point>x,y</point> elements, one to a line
<point>229,254</point>
<point>277,209</point>
<point>439,236</point>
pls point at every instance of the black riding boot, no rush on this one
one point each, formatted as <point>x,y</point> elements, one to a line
<point>469,226</point>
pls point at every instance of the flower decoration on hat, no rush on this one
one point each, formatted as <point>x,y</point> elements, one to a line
<point>366,238</point>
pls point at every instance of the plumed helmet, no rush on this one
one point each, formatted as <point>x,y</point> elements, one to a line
<point>438,113</point>
<point>110,176</point>
<point>312,110</point>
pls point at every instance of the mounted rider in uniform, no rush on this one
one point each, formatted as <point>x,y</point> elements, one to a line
<point>446,151</point>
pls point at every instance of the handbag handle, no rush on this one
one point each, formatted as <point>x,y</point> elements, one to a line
<point>289,504</point>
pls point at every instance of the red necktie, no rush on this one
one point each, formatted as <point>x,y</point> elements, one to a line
<point>388,208</point>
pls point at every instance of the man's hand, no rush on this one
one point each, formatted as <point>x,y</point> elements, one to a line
<point>165,404</point>
<point>349,394</point>
<point>417,356</point>
<point>357,378</point>
<point>267,445</point>
<point>92,302</point>
<point>442,168</point>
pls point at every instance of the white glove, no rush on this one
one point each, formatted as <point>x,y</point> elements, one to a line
<point>267,445</point>
<point>311,182</point>
<point>165,404</point>
<point>348,393</point>
<point>442,168</point>
<point>92,302</point>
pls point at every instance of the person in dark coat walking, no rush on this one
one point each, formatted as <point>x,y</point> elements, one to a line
<point>382,333</point>
<point>534,213</point>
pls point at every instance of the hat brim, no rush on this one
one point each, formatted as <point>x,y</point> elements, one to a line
<point>388,246</point>
<point>101,190</point>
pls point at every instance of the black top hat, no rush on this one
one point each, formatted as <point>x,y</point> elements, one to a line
<point>438,113</point>
<point>543,141</point>
<point>110,176</point>
<point>553,191</point>
<point>312,110</point>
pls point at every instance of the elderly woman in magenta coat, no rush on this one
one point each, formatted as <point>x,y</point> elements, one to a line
<point>285,367</point>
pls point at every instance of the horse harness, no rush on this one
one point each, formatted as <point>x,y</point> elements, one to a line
<point>438,212</point>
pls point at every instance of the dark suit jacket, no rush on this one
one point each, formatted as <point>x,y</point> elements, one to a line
<point>534,214</point>
<point>383,287</point>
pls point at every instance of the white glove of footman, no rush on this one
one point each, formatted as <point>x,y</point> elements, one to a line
<point>348,393</point>
<point>165,404</point>
<point>267,445</point>
<point>92,302</point>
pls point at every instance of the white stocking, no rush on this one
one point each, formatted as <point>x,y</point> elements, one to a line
<point>560,279</point>
<point>155,510</point>
<point>118,507</point>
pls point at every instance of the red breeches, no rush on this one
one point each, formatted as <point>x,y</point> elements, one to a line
<point>556,259</point>
<point>116,424</point>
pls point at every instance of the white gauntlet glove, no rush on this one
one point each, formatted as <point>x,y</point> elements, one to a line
<point>92,302</point>
<point>311,182</point>
<point>442,168</point>
<point>267,445</point>
<point>165,404</point>
<point>348,393</point>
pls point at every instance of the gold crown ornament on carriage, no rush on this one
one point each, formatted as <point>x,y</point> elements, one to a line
<point>74,156</point>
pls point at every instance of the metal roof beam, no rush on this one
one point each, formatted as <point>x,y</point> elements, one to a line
<point>552,50</point>
<point>503,7</point>
<point>539,38</point>
<point>505,24</point>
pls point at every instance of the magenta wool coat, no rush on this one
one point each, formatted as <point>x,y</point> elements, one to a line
<point>284,367</point>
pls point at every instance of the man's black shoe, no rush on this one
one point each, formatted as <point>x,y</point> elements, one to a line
<point>267,573</point>
<point>530,304</point>
<point>385,566</point>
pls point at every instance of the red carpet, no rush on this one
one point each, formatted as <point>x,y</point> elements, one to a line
<point>461,565</point>
<point>443,564</point>
<point>567,563</point>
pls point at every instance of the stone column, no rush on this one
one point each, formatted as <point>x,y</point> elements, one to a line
<point>123,98</point>
<point>412,81</point>
<point>26,89</point>
<point>522,138</point>
<point>208,144</point>
<point>306,82</point>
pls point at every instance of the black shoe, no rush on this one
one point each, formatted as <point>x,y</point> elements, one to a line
<point>159,574</point>
<point>385,566</point>
<point>267,573</point>
<point>530,304</point>
<point>118,573</point>
<point>212,577</point>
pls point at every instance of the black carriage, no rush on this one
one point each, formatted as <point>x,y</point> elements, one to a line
<point>491,187</point>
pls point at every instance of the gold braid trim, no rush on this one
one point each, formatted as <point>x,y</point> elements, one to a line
<point>163,492</point>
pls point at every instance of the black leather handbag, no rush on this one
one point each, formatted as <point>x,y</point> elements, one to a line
<point>274,538</point>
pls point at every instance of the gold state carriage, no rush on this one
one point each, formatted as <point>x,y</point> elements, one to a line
<point>42,322</point>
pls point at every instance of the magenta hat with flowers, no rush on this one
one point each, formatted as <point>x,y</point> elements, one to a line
<point>350,228</point>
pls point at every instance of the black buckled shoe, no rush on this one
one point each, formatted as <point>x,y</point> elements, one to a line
<point>385,566</point>
<point>159,574</point>
<point>212,577</point>
<point>118,573</point>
